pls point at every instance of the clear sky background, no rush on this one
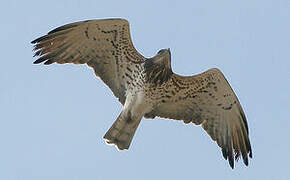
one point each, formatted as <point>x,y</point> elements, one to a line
<point>53,118</point>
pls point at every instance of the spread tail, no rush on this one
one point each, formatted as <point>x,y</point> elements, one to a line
<point>122,131</point>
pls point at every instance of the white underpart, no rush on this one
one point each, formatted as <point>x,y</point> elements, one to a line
<point>137,104</point>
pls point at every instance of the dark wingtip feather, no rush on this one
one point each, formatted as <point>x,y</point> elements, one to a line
<point>44,58</point>
<point>39,39</point>
<point>225,153</point>
<point>37,53</point>
<point>230,154</point>
<point>39,60</point>
<point>244,119</point>
<point>231,161</point>
<point>48,62</point>
<point>246,161</point>
<point>35,40</point>
<point>251,155</point>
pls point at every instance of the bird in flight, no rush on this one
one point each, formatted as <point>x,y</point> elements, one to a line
<point>147,87</point>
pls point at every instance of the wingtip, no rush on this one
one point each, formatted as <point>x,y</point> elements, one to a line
<point>231,162</point>
<point>34,41</point>
<point>224,152</point>
<point>246,161</point>
<point>38,61</point>
<point>251,155</point>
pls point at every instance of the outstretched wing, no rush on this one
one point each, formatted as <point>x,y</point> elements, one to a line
<point>208,99</point>
<point>104,45</point>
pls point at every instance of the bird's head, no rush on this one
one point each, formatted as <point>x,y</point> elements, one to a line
<point>164,56</point>
<point>158,68</point>
<point>164,53</point>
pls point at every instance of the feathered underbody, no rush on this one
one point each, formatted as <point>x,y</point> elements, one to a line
<point>148,87</point>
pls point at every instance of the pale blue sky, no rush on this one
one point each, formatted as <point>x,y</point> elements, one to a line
<point>53,118</point>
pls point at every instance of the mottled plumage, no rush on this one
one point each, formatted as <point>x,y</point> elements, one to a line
<point>147,87</point>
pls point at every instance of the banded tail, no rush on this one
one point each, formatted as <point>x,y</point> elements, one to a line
<point>122,131</point>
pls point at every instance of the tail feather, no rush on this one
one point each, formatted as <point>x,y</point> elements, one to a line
<point>122,131</point>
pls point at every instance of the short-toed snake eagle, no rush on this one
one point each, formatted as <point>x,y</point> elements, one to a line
<point>147,87</point>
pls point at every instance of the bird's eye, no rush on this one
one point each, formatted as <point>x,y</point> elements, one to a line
<point>160,51</point>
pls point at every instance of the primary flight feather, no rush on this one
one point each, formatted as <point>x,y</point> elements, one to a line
<point>147,87</point>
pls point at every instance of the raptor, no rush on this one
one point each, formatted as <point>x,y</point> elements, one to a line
<point>147,87</point>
